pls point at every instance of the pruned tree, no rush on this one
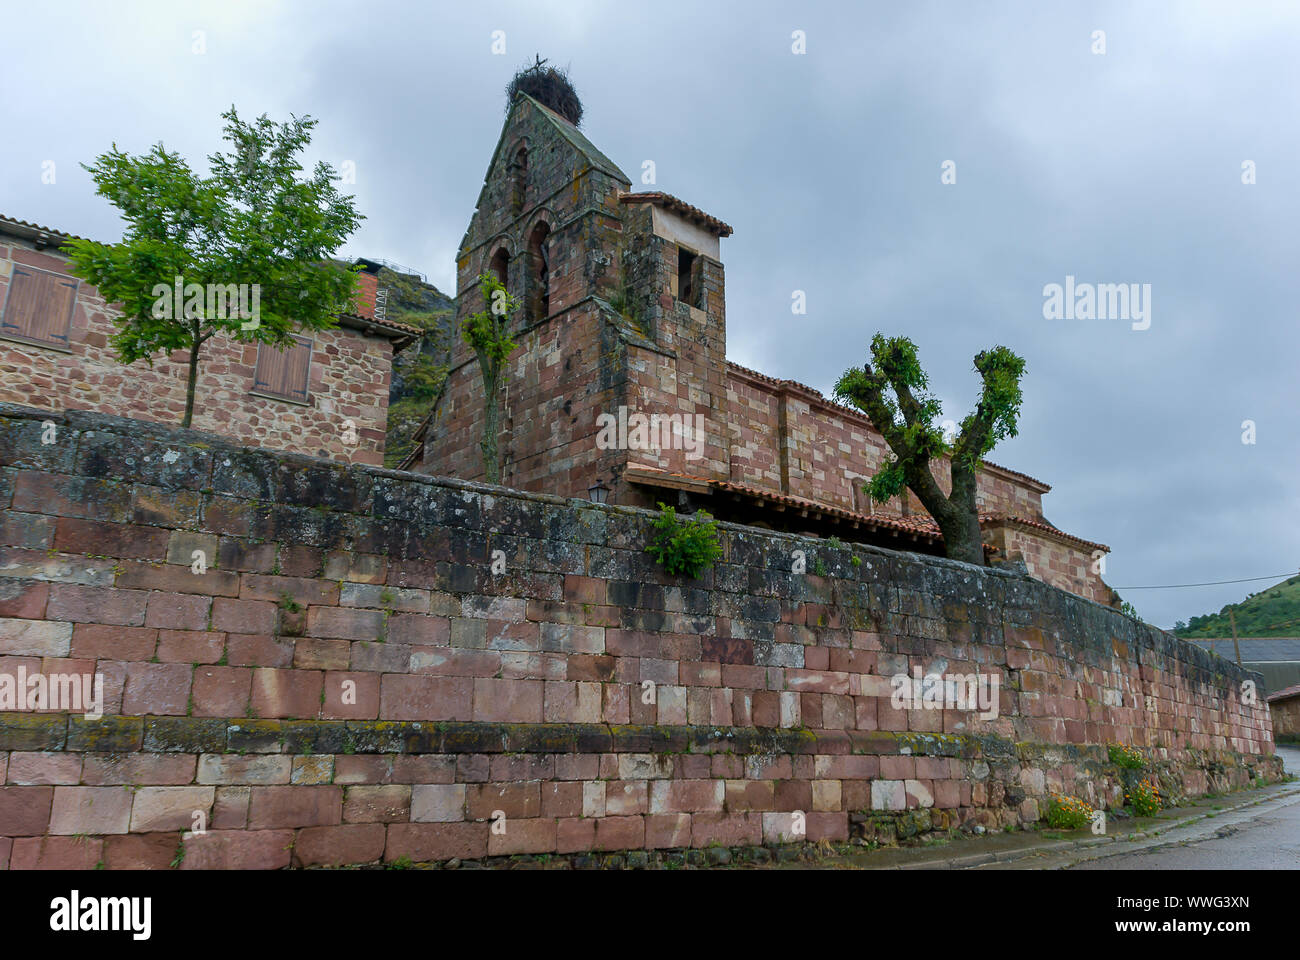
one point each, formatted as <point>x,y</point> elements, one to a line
<point>243,252</point>
<point>488,335</point>
<point>891,391</point>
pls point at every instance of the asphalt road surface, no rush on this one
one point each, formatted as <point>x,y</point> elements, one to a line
<point>1256,838</point>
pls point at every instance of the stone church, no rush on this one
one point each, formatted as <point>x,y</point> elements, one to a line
<point>620,387</point>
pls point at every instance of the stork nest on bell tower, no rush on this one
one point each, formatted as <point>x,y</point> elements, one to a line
<point>549,86</point>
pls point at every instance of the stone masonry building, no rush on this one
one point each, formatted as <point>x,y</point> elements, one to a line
<point>624,316</point>
<point>326,396</point>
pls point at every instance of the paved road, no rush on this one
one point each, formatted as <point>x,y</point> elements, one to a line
<point>1266,837</point>
<point>1290,759</point>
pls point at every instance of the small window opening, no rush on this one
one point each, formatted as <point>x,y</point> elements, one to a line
<point>539,245</point>
<point>519,179</point>
<point>686,276</point>
<point>500,267</point>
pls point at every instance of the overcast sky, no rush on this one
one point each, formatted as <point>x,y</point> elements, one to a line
<point>1117,167</point>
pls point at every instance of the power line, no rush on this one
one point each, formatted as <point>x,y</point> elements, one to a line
<point>1212,583</point>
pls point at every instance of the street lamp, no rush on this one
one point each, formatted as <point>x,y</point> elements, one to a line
<point>598,492</point>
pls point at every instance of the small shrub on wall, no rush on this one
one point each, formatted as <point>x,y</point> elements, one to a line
<point>689,546</point>
<point>1067,813</point>
<point>1145,798</point>
<point>1127,758</point>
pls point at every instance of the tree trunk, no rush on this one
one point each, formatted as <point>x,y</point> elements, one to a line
<point>193,381</point>
<point>962,539</point>
<point>956,514</point>
<point>959,520</point>
<point>491,424</point>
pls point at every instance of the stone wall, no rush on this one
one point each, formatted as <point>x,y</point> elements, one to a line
<point>381,666</point>
<point>1286,717</point>
<point>348,379</point>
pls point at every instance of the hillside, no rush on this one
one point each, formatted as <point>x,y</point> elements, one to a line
<point>419,371</point>
<point>1274,612</point>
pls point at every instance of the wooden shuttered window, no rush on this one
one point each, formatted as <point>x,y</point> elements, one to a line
<point>38,306</point>
<point>284,373</point>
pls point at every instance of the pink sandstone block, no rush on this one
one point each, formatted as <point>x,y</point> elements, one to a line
<point>353,843</point>
<point>113,643</point>
<point>425,698</point>
<point>222,691</point>
<point>438,802</point>
<point>56,853</point>
<point>686,796</point>
<point>668,830</point>
<point>248,650</point>
<point>287,693</point>
<point>620,833</point>
<point>161,769</point>
<point>350,696</point>
<point>527,766</point>
<point>175,611</point>
<point>295,806</point>
<point>509,701</point>
<point>518,801</point>
<point>750,795</point>
<point>218,768</point>
<point>156,688</point>
<point>36,769</point>
<point>314,653</point>
<point>238,850</point>
<point>425,768</point>
<point>383,803</point>
<point>230,809</point>
<point>828,826</point>
<point>728,830</point>
<point>190,646</point>
<point>436,841</point>
<point>523,836</point>
<point>561,799</point>
<point>157,809</point>
<point>25,811</point>
<point>141,851</point>
<point>90,810</point>
<point>627,798</point>
<point>243,616</point>
<point>575,835</point>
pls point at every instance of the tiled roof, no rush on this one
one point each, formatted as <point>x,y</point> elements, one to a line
<point>922,527</point>
<point>1253,649</point>
<point>918,528</point>
<point>862,417</point>
<point>1286,693</point>
<point>679,207</point>
<point>1039,524</point>
<point>394,330</point>
<point>24,228</point>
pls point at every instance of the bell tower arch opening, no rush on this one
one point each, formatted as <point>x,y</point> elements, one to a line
<point>539,255</point>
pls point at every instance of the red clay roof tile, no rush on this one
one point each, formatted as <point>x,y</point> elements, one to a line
<point>679,207</point>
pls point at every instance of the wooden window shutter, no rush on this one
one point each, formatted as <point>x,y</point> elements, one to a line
<point>284,373</point>
<point>39,305</point>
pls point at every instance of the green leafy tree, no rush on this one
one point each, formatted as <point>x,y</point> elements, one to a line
<point>891,391</point>
<point>252,232</point>
<point>488,334</point>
